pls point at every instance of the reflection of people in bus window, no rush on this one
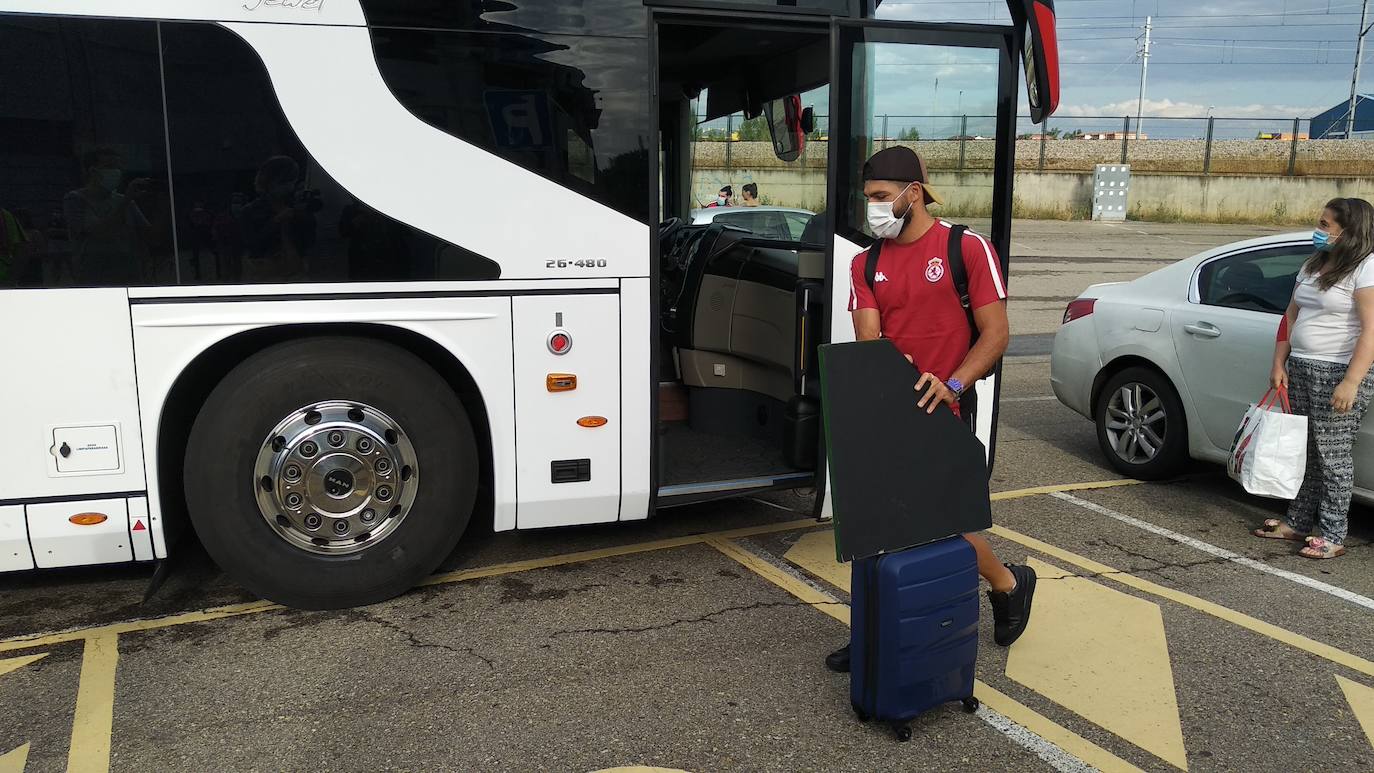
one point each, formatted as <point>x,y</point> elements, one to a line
<point>108,231</point>
<point>377,248</point>
<point>201,224</point>
<point>278,227</point>
<point>228,239</point>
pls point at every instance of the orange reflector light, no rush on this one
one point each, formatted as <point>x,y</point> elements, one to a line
<point>592,421</point>
<point>89,519</point>
<point>561,382</point>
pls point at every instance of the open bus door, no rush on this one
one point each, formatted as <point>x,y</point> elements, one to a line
<point>882,68</point>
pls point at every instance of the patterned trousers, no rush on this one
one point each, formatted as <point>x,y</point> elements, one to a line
<point>1324,499</point>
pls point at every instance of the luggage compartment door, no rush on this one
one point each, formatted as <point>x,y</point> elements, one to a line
<point>567,409</point>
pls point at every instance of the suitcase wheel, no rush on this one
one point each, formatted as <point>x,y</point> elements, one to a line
<point>903,732</point>
<point>971,705</point>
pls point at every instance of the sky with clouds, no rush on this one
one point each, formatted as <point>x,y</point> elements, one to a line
<point>1241,58</point>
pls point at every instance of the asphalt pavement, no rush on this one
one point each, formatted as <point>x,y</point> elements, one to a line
<point>1164,638</point>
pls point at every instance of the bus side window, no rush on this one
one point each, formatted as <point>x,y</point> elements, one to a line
<point>253,205</point>
<point>85,200</point>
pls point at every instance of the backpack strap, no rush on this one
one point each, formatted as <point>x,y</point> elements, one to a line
<point>959,274</point>
<point>871,267</point>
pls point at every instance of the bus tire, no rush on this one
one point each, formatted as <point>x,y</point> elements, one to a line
<point>357,438</point>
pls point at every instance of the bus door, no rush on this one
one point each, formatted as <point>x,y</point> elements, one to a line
<point>950,92</point>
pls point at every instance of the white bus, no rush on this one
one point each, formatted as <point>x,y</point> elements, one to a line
<point>327,279</point>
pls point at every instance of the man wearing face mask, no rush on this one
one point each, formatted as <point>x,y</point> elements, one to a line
<point>914,302</point>
<point>723,198</point>
<point>107,229</point>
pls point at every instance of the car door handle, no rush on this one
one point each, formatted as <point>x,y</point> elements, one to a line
<point>1203,330</point>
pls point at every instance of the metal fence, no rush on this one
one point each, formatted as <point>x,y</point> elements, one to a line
<point>1212,145</point>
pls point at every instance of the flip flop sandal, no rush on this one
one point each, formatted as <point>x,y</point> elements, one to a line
<point>1273,529</point>
<point>1319,549</point>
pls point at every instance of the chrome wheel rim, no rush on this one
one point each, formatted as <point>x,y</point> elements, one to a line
<point>1136,423</point>
<point>335,477</point>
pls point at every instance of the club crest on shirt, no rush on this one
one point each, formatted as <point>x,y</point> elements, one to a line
<point>935,270</point>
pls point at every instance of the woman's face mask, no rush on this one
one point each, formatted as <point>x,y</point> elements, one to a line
<point>883,220</point>
<point>1321,240</point>
<point>720,200</point>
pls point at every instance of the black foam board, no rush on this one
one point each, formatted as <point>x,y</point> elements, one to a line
<point>899,477</point>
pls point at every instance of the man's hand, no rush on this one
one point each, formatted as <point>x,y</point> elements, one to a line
<point>935,393</point>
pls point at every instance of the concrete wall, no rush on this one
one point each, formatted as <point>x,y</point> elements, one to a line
<point>1068,195</point>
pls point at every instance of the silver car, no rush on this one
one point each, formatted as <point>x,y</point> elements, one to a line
<point>1167,365</point>
<point>782,223</point>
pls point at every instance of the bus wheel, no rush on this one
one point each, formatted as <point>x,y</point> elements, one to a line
<point>331,472</point>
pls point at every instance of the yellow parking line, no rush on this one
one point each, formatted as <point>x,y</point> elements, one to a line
<point>618,550</point>
<point>13,761</point>
<point>29,641</point>
<point>12,664</point>
<point>1241,619</point>
<point>836,609</point>
<point>1023,715</point>
<point>1041,490</point>
<point>1361,700</point>
<point>1051,731</point>
<point>94,719</point>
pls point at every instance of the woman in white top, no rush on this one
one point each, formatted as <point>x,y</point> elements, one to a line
<point>1324,351</point>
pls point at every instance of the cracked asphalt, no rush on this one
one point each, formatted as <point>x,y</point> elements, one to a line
<point>686,658</point>
<point>683,658</point>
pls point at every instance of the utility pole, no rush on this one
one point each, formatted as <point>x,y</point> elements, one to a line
<point>1144,70</point>
<point>1355,77</point>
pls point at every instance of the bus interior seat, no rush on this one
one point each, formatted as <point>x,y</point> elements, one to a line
<point>730,308</point>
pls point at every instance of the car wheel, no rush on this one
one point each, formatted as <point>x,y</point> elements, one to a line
<point>1141,426</point>
<point>330,472</point>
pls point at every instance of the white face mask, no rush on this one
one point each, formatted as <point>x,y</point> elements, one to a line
<point>882,221</point>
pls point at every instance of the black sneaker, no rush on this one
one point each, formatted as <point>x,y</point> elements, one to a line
<point>1011,611</point>
<point>838,661</point>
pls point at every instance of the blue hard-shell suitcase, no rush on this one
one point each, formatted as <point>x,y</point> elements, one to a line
<point>914,632</point>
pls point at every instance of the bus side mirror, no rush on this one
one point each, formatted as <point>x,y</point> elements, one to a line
<point>1040,54</point>
<point>808,120</point>
<point>785,121</point>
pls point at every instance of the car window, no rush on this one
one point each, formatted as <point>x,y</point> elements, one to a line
<point>1260,280</point>
<point>796,224</point>
<point>768,225</point>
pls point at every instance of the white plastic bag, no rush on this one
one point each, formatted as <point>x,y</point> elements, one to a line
<point>1269,453</point>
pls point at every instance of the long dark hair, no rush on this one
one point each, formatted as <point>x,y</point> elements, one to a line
<point>1356,242</point>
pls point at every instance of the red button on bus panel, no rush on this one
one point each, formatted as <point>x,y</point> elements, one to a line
<point>560,342</point>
